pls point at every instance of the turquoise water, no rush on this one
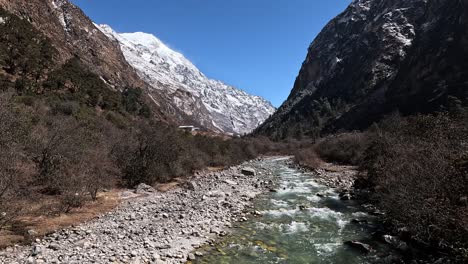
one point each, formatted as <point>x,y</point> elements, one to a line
<point>296,226</point>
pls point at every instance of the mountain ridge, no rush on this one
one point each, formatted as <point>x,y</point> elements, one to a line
<point>375,58</point>
<point>214,104</point>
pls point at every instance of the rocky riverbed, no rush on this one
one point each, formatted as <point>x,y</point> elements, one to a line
<point>156,227</point>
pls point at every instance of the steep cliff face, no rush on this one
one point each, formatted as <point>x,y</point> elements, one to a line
<point>378,56</point>
<point>210,103</point>
<point>74,35</point>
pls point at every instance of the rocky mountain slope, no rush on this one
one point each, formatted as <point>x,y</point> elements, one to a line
<point>74,35</point>
<point>209,103</point>
<point>377,57</point>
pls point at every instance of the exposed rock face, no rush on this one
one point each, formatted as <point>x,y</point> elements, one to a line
<point>378,56</point>
<point>180,93</point>
<point>210,103</point>
<point>73,34</point>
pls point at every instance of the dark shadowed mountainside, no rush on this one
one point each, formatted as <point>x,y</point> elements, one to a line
<point>375,58</point>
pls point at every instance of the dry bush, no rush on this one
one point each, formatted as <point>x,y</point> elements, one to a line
<point>97,171</point>
<point>417,167</point>
<point>152,153</point>
<point>57,146</point>
<point>347,148</point>
<point>13,165</point>
<point>307,157</point>
<point>73,159</point>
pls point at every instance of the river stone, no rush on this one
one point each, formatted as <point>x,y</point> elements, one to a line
<point>230,182</point>
<point>190,185</point>
<point>146,229</point>
<point>36,250</point>
<point>144,188</point>
<point>248,171</point>
<point>191,256</point>
<point>395,242</point>
<point>362,247</point>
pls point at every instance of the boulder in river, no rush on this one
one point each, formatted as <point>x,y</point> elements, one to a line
<point>396,242</point>
<point>248,171</point>
<point>359,246</point>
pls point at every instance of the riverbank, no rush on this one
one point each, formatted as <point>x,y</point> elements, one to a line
<point>303,220</point>
<point>403,246</point>
<point>158,227</point>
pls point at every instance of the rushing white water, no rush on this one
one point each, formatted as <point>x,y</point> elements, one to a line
<point>296,226</point>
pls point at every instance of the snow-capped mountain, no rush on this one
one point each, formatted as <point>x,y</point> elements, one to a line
<point>377,57</point>
<point>209,103</point>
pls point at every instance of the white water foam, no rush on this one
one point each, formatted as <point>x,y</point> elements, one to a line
<point>280,212</point>
<point>325,214</point>
<point>314,198</point>
<point>296,227</point>
<point>279,203</point>
<point>326,249</point>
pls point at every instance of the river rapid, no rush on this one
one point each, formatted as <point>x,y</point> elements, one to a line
<point>302,222</point>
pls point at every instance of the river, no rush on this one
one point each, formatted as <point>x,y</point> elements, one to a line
<point>303,222</point>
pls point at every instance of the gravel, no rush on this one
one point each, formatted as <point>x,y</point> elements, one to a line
<point>156,228</point>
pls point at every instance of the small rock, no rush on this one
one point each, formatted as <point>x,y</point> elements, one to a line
<point>167,246</point>
<point>54,247</point>
<point>395,242</point>
<point>37,250</point>
<point>363,248</point>
<point>191,257</point>
<point>144,188</point>
<point>358,221</point>
<point>190,185</point>
<point>32,233</point>
<point>31,260</point>
<point>248,171</point>
<point>230,182</point>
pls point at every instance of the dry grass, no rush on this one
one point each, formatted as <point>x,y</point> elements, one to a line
<point>331,167</point>
<point>165,187</point>
<point>43,224</point>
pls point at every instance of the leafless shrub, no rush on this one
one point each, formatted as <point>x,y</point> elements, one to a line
<point>13,165</point>
<point>417,167</point>
<point>347,148</point>
<point>307,157</point>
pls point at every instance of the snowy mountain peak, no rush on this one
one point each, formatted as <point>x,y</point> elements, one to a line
<point>210,103</point>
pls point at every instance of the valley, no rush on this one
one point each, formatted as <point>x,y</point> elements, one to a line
<point>117,148</point>
<point>277,215</point>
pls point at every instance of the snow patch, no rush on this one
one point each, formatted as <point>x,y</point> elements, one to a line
<point>228,109</point>
<point>396,31</point>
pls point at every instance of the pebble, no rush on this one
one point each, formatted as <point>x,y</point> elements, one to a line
<point>155,228</point>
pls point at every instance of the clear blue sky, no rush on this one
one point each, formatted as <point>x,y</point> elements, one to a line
<point>255,45</point>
